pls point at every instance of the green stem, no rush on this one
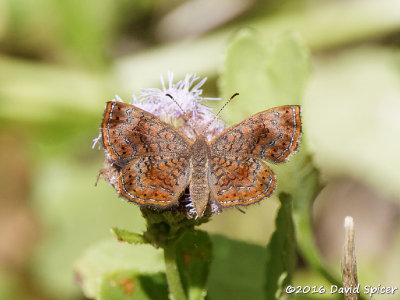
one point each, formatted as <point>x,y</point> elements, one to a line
<point>176,291</point>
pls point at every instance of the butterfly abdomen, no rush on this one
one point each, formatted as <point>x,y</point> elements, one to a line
<point>199,189</point>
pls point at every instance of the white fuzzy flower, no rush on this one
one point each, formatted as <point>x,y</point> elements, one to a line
<point>185,110</point>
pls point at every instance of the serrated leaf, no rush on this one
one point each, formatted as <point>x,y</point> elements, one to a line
<point>288,69</point>
<point>124,285</point>
<point>110,256</point>
<point>264,74</point>
<point>244,73</point>
<point>281,251</point>
<point>194,251</point>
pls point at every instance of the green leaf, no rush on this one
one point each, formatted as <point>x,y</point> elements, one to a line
<point>264,74</point>
<point>301,181</point>
<point>237,270</point>
<point>244,73</point>
<point>287,70</point>
<point>281,251</point>
<point>124,285</point>
<point>127,236</point>
<point>110,257</point>
<point>194,252</point>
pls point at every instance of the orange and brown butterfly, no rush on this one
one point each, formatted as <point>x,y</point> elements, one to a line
<point>157,162</point>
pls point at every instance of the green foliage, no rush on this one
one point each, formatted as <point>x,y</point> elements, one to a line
<point>124,285</point>
<point>187,255</point>
<point>237,270</point>
<point>74,32</point>
<point>65,215</point>
<point>266,74</point>
<point>129,237</point>
<point>166,227</point>
<point>244,72</point>
<point>194,251</point>
<point>303,184</point>
<point>109,258</point>
<point>281,251</point>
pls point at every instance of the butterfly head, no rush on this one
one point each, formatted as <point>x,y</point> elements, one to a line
<point>199,144</point>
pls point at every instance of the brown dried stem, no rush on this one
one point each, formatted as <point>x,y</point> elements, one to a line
<point>349,265</point>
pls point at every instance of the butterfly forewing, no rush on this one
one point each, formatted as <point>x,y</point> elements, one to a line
<point>128,132</point>
<point>271,135</point>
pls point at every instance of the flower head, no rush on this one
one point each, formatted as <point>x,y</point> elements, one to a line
<point>184,110</point>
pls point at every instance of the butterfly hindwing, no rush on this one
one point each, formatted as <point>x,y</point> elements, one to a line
<point>157,181</point>
<point>240,180</point>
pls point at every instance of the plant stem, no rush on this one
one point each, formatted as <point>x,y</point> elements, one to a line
<point>349,265</point>
<point>176,291</point>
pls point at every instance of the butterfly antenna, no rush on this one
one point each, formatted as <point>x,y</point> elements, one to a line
<point>241,210</point>
<point>216,116</point>
<point>184,114</point>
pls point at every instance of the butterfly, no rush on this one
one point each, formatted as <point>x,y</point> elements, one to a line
<point>157,162</point>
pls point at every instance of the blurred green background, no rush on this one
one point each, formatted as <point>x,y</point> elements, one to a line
<point>60,61</point>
